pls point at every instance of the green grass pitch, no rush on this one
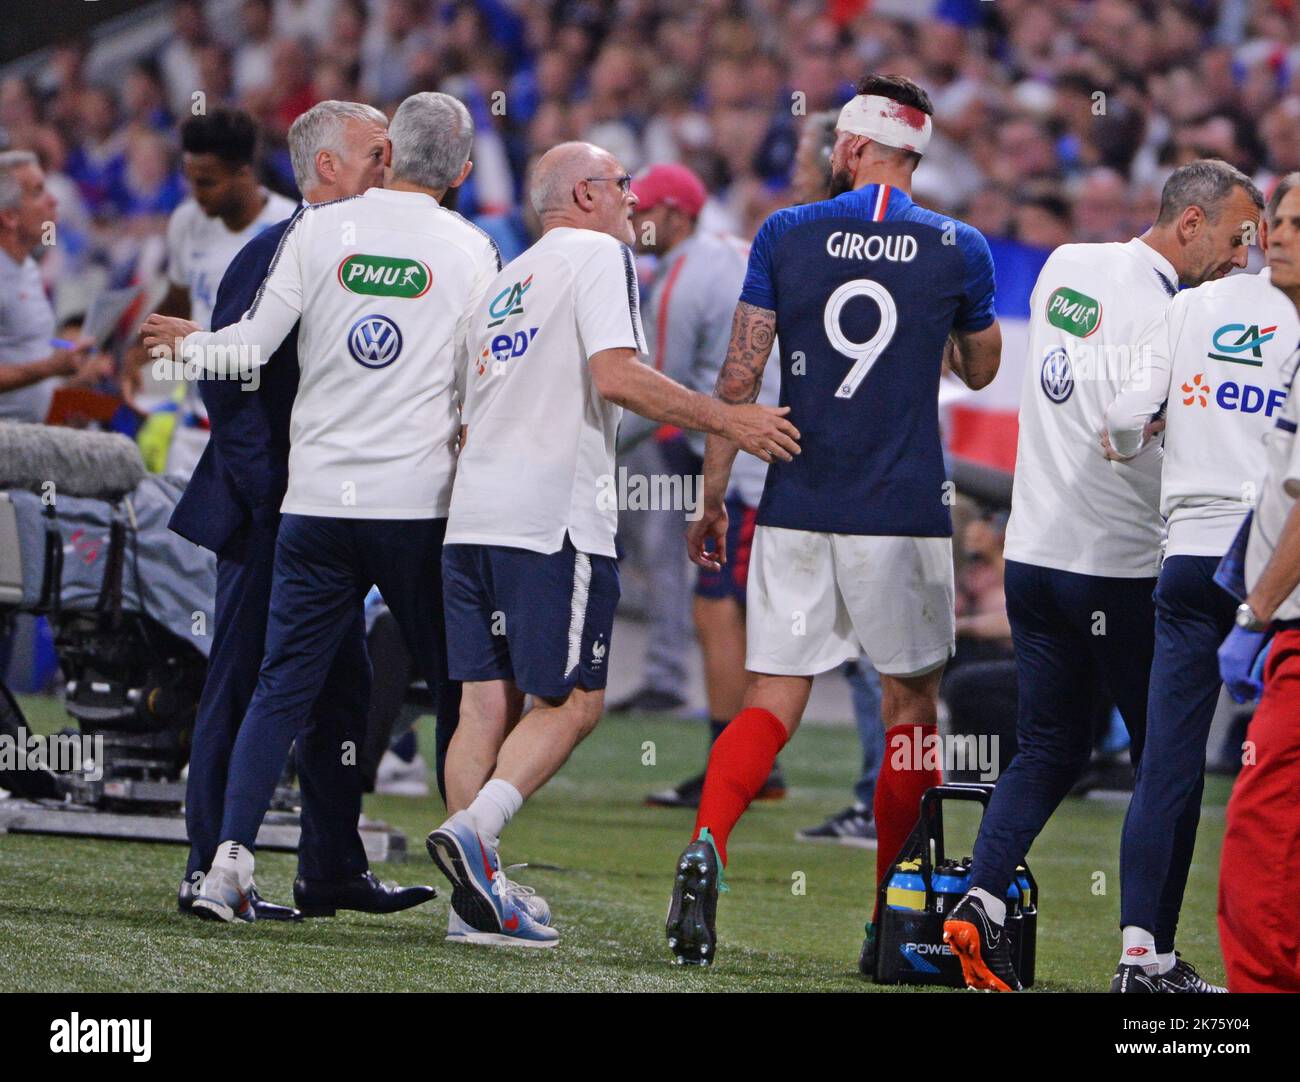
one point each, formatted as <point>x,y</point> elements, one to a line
<point>81,915</point>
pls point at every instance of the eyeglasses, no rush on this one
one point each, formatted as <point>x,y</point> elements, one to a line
<point>624,182</point>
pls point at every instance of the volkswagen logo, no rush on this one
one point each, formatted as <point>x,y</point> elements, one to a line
<point>374,341</point>
<point>1058,375</point>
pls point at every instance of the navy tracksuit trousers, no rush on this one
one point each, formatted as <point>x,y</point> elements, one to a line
<point>1193,616</point>
<point>331,790</point>
<point>1076,638</point>
<point>323,569</point>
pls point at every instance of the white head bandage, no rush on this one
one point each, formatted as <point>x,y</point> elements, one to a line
<point>886,121</point>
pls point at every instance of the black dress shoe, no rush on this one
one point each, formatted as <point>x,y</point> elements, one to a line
<point>364,893</point>
<point>262,909</point>
<point>271,910</point>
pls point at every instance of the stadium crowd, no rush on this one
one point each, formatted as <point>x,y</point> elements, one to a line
<point>1018,89</point>
<point>1053,122</point>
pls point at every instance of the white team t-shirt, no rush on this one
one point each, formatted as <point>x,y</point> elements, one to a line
<point>1218,363</point>
<point>385,285</point>
<point>1093,310</point>
<point>538,462</point>
<point>199,249</point>
<point>1277,493</point>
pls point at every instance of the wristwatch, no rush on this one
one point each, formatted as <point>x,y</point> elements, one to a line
<point>1247,620</point>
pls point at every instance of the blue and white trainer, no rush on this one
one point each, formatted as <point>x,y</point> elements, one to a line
<point>538,907</point>
<point>458,931</point>
<point>487,908</point>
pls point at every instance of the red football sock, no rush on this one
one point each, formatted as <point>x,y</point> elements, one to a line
<point>899,788</point>
<point>739,764</point>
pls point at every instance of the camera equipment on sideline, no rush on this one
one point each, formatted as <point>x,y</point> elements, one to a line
<point>84,543</point>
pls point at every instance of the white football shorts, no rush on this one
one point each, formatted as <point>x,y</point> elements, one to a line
<point>816,600</point>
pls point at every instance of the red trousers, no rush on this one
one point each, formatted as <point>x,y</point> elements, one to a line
<point>1259,878</point>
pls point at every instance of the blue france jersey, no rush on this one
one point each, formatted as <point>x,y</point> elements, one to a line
<point>866,288</point>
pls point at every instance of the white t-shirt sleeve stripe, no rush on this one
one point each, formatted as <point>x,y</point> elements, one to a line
<point>633,298</point>
<point>605,299</point>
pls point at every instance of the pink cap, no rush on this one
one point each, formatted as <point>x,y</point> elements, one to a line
<point>672,184</point>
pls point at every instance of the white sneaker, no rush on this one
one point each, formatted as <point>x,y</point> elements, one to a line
<point>226,891</point>
<point>397,777</point>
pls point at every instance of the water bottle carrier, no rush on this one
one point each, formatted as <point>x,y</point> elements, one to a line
<point>922,887</point>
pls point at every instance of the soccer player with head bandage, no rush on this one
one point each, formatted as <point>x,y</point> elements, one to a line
<point>852,551</point>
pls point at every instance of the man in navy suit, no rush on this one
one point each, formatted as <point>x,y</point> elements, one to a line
<point>232,506</point>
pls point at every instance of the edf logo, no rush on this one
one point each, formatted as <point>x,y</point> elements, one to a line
<point>505,347</point>
<point>374,341</point>
<point>1234,397</point>
<point>1248,398</point>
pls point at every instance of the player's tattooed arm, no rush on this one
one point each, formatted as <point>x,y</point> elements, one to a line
<point>753,332</point>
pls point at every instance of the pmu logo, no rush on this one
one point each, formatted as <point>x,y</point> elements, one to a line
<point>1057,376</point>
<point>374,341</point>
<point>505,347</point>
<point>1235,339</point>
<point>385,276</point>
<point>1234,397</point>
<point>1073,312</point>
<point>509,302</point>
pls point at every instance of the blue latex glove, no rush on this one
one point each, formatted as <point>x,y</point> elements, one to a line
<point>1257,670</point>
<point>1237,658</point>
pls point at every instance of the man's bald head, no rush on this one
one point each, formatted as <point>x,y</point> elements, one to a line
<point>582,186</point>
<point>559,169</point>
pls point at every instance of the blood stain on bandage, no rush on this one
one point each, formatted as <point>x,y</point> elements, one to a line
<point>908,114</point>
